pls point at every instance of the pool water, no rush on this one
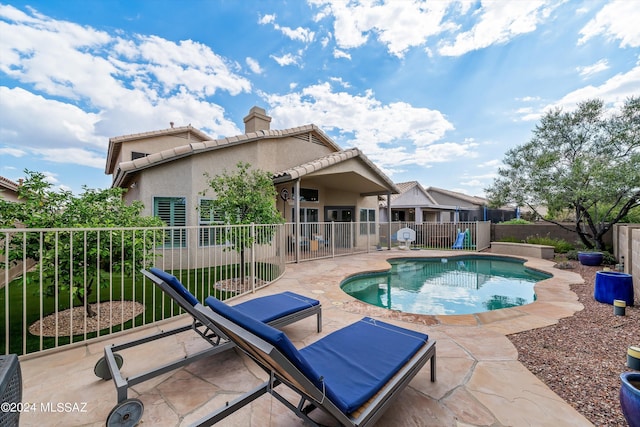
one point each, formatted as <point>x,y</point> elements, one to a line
<point>457,285</point>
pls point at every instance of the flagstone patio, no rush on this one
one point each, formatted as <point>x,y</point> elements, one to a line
<point>479,379</point>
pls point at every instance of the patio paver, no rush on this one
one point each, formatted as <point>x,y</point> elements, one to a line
<point>480,381</point>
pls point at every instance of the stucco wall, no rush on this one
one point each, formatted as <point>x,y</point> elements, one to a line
<point>634,268</point>
<point>521,232</point>
<point>274,155</point>
<point>412,198</point>
<point>152,145</point>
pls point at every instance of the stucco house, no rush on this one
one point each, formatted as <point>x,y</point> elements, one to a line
<point>165,169</point>
<point>8,189</point>
<point>414,203</point>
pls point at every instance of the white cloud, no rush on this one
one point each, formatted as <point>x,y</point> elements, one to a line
<point>528,99</point>
<point>590,70</point>
<point>617,20</point>
<point>399,25</point>
<point>73,156</point>
<point>337,53</point>
<point>95,85</point>
<point>253,65</point>
<point>473,182</point>
<point>491,164</point>
<point>390,134</point>
<point>286,59</point>
<point>340,81</point>
<point>12,152</point>
<point>58,123</point>
<point>267,19</point>
<point>498,22</point>
<point>613,92</point>
<point>304,35</point>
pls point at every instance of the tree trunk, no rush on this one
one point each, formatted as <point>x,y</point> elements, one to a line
<point>83,299</point>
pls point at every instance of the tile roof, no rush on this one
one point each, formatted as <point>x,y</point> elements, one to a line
<point>330,160</point>
<point>406,186</point>
<point>8,184</point>
<point>471,199</point>
<point>115,143</point>
<point>213,144</point>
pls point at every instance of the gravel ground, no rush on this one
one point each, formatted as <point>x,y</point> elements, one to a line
<point>73,320</point>
<point>581,357</point>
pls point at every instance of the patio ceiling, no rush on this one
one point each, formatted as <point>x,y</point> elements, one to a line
<point>346,181</point>
<point>347,170</point>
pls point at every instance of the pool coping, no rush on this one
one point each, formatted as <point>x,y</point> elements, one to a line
<point>552,295</point>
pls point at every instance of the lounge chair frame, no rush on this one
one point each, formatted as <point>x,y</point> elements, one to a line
<point>200,324</point>
<point>282,371</point>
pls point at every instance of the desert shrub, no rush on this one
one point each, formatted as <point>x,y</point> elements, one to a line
<point>608,258</point>
<point>572,254</point>
<point>516,221</point>
<point>560,246</point>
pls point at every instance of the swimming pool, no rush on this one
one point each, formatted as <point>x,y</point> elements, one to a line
<point>455,285</point>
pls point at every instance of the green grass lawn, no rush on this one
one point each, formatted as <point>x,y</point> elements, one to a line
<point>26,304</point>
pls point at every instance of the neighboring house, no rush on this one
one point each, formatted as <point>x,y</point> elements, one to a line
<point>461,207</point>
<point>165,170</point>
<point>471,208</point>
<point>416,204</point>
<point>412,204</point>
<point>8,189</point>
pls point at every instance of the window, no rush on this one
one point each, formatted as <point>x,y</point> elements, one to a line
<point>172,210</point>
<point>137,155</point>
<point>310,216</point>
<point>208,217</point>
<point>367,215</point>
<point>398,216</point>
<point>306,194</point>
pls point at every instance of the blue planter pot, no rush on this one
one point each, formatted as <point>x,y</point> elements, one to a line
<point>630,397</point>
<point>613,285</point>
<point>590,258</point>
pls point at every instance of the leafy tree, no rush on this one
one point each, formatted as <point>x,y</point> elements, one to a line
<point>246,196</point>
<point>77,271</point>
<point>586,161</point>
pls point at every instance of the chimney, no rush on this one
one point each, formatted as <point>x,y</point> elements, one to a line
<point>256,120</point>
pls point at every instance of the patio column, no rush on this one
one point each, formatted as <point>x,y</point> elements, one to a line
<point>389,221</point>
<point>296,220</point>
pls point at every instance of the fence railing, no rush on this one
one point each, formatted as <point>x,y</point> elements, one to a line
<point>71,285</point>
<point>441,235</point>
<point>63,286</point>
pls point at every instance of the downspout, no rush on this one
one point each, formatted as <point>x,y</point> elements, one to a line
<point>389,221</point>
<point>296,220</point>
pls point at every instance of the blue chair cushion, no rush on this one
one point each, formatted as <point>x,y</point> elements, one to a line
<point>173,281</point>
<point>357,360</point>
<point>273,336</point>
<point>350,364</point>
<point>272,307</point>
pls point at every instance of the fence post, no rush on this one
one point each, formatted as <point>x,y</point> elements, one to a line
<point>253,258</point>
<point>333,239</point>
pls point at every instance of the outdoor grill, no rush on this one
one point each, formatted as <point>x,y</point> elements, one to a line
<point>10,389</point>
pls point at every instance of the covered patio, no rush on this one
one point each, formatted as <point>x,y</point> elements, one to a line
<point>480,381</point>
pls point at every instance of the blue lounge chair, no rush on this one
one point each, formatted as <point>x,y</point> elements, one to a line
<point>276,310</point>
<point>352,374</point>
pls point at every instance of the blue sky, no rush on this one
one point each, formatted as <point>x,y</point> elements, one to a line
<point>432,91</point>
